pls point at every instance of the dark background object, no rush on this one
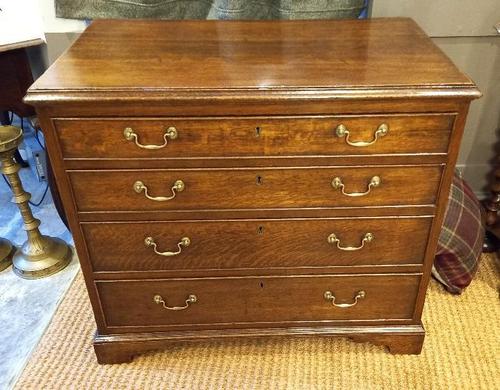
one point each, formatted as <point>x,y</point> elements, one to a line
<point>15,78</point>
<point>492,207</point>
<point>211,9</point>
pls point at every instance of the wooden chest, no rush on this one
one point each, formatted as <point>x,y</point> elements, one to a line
<point>268,178</point>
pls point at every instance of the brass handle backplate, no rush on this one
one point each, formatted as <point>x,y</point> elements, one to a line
<point>333,239</point>
<point>341,131</point>
<point>329,296</point>
<point>158,299</point>
<point>337,184</point>
<point>178,186</point>
<point>184,242</point>
<point>131,135</point>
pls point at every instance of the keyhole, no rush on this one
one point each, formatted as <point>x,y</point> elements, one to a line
<point>259,180</point>
<point>257,131</point>
<point>261,285</point>
<point>261,230</point>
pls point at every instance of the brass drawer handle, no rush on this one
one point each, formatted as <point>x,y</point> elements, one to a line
<point>337,184</point>
<point>333,239</point>
<point>178,186</point>
<point>158,299</point>
<point>184,242</point>
<point>330,297</point>
<point>341,131</point>
<point>131,135</point>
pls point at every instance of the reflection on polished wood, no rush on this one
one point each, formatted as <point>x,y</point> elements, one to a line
<point>354,58</point>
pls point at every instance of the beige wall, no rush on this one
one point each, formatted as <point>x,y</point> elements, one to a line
<point>479,57</point>
<point>444,18</point>
<point>464,30</point>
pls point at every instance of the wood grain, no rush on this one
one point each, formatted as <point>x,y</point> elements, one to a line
<point>266,300</point>
<point>253,136</point>
<point>112,104</point>
<point>256,244</point>
<point>251,188</point>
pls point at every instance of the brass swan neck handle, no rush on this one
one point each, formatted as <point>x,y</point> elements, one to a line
<point>158,299</point>
<point>342,131</point>
<point>178,186</point>
<point>338,184</point>
<point>131,135</point>
<point>329,296</point>
<point>333,239</point>
<point>184,242</point>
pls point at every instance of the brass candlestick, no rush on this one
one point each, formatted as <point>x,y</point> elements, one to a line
<point>40,255</point>
<point>6,252</point>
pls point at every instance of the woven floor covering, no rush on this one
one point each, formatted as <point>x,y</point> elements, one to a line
<point>461,350</point>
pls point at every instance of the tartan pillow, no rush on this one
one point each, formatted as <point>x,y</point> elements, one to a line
<point>461,239</point>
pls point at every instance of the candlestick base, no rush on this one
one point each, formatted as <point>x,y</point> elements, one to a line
<point>41,257</point>
<point>6,252</point>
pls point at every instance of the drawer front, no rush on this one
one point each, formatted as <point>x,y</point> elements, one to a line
<point>212,189</point>
<point>256,244</point>
<point>254,136</point>
<point>253,300</point>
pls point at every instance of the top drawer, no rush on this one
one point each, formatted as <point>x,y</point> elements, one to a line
<point>254,136</point>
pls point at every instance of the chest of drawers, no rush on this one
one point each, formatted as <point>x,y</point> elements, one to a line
<point>248,179</point>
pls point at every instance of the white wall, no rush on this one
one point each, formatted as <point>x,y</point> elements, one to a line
<point>51,24</point>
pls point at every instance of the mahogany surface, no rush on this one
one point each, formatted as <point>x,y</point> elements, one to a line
<point>256,105</point>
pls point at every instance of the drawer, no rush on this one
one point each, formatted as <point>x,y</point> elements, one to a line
<point>249,188</point>
<point>254,244</point>
<point>253,300</point>
<point>255,136</point>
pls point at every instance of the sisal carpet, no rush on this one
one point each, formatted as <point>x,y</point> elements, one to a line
<point>460,351</point>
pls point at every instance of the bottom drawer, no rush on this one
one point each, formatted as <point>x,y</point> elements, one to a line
<point>238,301</point>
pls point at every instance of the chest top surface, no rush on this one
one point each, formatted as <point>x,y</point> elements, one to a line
<point>175,56</point>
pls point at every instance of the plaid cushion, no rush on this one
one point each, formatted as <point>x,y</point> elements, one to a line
<point>461,239</point>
